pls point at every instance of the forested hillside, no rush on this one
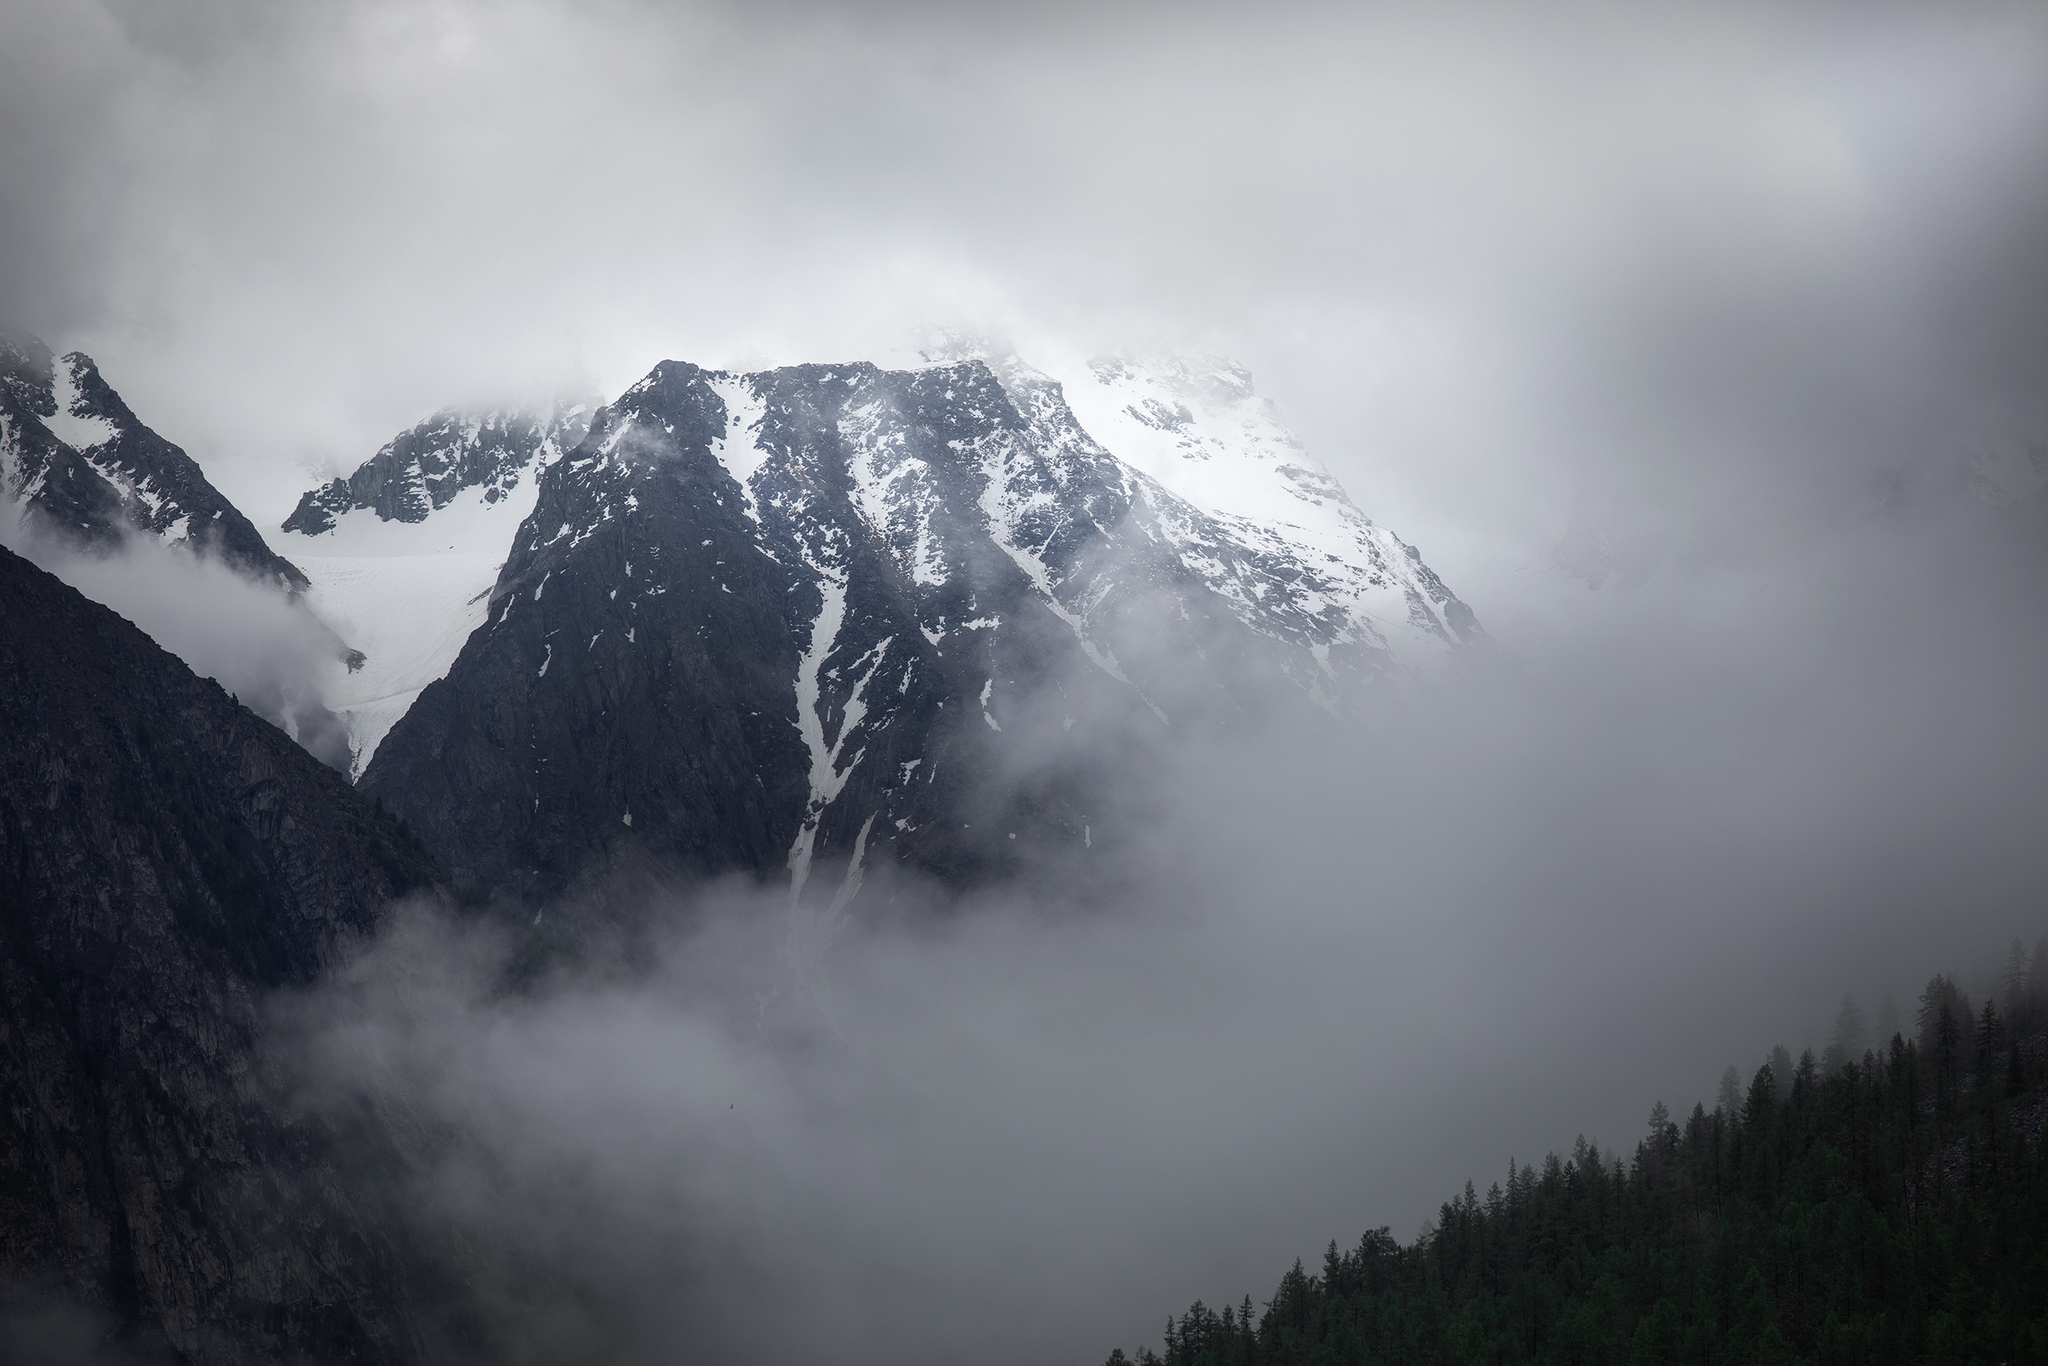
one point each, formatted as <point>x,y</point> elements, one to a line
<point>1887,1207</point>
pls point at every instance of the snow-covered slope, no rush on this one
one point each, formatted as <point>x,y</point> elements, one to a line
<point>1213,473</point>
<point>1272,531</point>
<point>73,422</point>
<point>402,554</point>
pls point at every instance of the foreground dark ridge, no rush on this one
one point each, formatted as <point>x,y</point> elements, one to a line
<point>1893,1209</point>
<point>167,858</point>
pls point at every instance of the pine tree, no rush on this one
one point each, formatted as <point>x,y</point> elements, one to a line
<point>1990,1041</point>
<point>1948,1047</point>
<point>2037,987</point>
<point>1730,1102</point>
<point>2016,981</point>
<point>1940,991</point>
<point>1763,1096</point>
<point>1781,1070</point>
<point>1849,1040</point>
<point>1943,1024</point>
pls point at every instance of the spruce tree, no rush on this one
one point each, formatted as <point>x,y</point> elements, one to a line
<point>1853,1221</point>
<point>2016,983</point>
<point>1948,1047</point>
<point>1990,1041</point>
<point>1850,1038</point>
<point>1781,1070</point>
<point>1730,1101</point>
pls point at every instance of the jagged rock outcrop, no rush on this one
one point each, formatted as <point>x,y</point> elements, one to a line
<point>422,469</point>
<point>77,461</point>
<point>166,859</point>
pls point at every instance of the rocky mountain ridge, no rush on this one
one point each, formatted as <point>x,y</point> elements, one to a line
<point>77,462</point>
<point>426,467</point>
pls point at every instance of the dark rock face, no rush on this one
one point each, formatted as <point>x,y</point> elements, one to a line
<point>825,613</point>
<point>115,473</point>
<point>528,767</point>
<point>422,469</point>
<point>166,858</point>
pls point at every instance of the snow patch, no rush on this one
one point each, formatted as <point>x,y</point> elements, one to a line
<point>825,778</point>
<point>409,615</point>
<point>78,430</point>
<point>738,449</point>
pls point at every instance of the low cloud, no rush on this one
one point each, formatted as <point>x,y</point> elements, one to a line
<point>269,651</point>
<point>1343,972</point>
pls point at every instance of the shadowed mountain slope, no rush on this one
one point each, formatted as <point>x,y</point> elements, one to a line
<point>167,858</point>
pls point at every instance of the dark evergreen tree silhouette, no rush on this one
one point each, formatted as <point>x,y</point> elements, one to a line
<point>1891,1206</point>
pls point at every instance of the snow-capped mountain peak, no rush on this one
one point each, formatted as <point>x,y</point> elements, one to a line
<point>1196,424</point>
<point>426,467</point>
<point>808,614</point>
<point>1250,512</point>
<point>76,460</point>
<point>402,552</point>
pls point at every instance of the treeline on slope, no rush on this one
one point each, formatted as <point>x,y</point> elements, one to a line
<point>1886,1207</point>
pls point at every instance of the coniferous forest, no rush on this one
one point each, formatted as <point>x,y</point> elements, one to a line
<point>1873,1205</point>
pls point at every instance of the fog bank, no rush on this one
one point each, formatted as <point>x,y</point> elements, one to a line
<point>272,653</point>
<point>1350,971</point>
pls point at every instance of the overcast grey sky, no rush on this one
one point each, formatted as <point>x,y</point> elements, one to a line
<point>1746,287</point>
<point>1488,258</point>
